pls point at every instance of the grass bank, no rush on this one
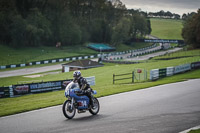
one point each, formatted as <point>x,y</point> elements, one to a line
<point>37,101</point>
<point>166,28</point>
<point>10,55</point>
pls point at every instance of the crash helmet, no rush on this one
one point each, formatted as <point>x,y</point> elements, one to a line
<point>77,74</point>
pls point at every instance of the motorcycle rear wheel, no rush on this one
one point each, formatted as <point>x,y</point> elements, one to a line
<point>67,111</point>
<point>94,110</point>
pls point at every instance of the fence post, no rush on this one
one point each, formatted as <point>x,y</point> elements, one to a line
<point>133,77</point>
<point>113,78</point>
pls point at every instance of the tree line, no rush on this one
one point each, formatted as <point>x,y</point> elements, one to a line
<point>191,30</point>
<point>69,22</point>
<point>163,14</point>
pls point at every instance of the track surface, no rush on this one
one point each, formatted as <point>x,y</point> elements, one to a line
<point>26,71</point>
<point>163,109</point>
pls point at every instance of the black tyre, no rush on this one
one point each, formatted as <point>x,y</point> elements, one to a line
<point>67,110</point>
<point>94,110</point>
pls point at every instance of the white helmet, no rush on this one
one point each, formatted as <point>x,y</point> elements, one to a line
<point>76,74</point>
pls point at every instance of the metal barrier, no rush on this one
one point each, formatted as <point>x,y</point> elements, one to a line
<point>39,87</point>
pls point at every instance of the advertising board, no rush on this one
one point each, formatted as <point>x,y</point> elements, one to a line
<point>182,68</point>
<point>45,86</point>
<point>195,65</point>
<point>4,92</point>
<point>162,72</point>
<point>20,89</point>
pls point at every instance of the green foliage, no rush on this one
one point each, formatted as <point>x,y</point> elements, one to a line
<point>18,31</point>
<point>38,28</point>
<point>68,31</point>
<point>71,22</point>
<point>121,31</point>
<point>163,14</point>
<point>139,26</point>
<point>191,30</point>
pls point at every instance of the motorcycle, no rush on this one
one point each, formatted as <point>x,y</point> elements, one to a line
<point>77,101</point>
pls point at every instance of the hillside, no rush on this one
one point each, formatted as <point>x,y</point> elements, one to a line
<point>166,28</point>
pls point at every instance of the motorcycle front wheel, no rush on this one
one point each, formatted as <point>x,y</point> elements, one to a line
<point>95,109</point>
<point>68,109</point>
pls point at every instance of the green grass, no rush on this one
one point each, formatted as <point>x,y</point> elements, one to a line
<point>29,54</point>
<point>166,28</point>
<point>103,85</point>
<point>110,69</point>
<point>122,47</point>
<point>195,131</point>
<point>195,54</point>
<point>10,55</point>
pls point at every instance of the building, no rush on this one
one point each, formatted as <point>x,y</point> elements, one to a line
<point>80,65</point>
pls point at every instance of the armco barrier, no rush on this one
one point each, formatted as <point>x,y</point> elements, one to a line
<point>195,65</point>
<point>49,61</point>
<point>91,80</point>
<point>182,68</point>
<point>162,73</point>
<point>154,74</point>
<point>169,71</point>
<point>22,89</point>
<point>4,92</point>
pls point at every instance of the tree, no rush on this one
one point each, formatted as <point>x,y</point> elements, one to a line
<point>38,28</point>
<point>139,26</point>
<point>191,30</point>
<point>184,16</point>
<point>121,31</point>
<point>69,32</point>
<point>7,12</point>
<point>187,16</point>
<point>46,22</point>
<point>176,16</point>
<point>18,31</point>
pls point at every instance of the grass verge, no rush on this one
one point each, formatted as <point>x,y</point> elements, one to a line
<point>195,131</point>
<point>25,103</point>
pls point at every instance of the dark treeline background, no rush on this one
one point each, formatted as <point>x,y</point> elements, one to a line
<point>163,14</point>
<point>191,30</point>
<point>71,22</point>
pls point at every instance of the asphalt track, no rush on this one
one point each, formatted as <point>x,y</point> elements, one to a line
<point>168,108</point>
<point>26,71</point>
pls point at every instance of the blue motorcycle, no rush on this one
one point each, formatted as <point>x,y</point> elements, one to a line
<point>78,101</point>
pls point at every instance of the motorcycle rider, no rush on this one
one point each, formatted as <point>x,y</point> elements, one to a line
<point>84,86</point>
